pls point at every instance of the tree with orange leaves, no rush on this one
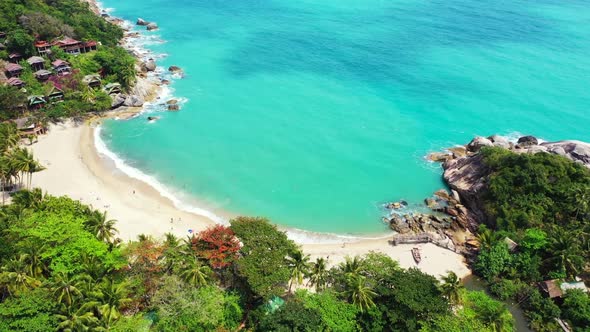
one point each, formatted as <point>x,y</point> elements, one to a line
<point>218,245</point>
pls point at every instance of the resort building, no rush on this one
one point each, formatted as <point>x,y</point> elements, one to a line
<point>92,81</point>
<point>42,75</point>
<point>36,62</point>
<point>69,45</point>
<point>13,69</point>
<point>15,81</point>
<point>55,94</point>
<point>61,67</point>
<point>27,127</point>
<point>15,57</point>
<point>112,88</point>
<point>36,102</point>
<point>556,288</point>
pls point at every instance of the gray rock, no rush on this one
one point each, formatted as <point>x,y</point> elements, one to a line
<point>500,141</point>
<point>172,102</point>
<point>151,26</point>
<point>536,149</point>
<point>133,101</point>
<point>174,69</point>
<point>527,141</point>
<point>142,22</point>
<point>458,151</point>
<point>117,100</point>
<point>173,107</point>
<point>150,65</point>
<point>439,156</point>
<point>477,143</point>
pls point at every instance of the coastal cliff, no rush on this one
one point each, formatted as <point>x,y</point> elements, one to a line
<point>466,173</point>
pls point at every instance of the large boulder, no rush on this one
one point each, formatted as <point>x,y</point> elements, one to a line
<point>151,26</point>
<point>439,156</point>
<point>477,143</point>
<point>118,100</point>
<point>149,65</point>
<point>500,141</point>
<point>526,141</point>
<point>175,69</point>
<point>133,101</point>
<point>142,22</point>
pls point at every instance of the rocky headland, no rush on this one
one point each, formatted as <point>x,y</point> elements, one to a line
<point>454,216</point>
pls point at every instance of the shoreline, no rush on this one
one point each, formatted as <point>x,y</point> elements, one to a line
<point>139,208</point>
<point>142,208</point>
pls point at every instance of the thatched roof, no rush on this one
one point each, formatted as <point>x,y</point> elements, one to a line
<point>11,67</point>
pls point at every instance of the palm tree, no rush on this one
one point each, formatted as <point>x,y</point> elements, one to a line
<point>352,266</point>
<point>34,261</point>
<point>16,275</point>
<point>28,199</point>
<point>195,273</point>
<point>486,237</point>
<point>65,289</point>
<point>318,276</point>
<point>111,297</point>
<point>298,263</point>
<point>75,320</point>
<point>451,287</point>
<point>102,227</point>
<point>565,251</point>
<point>359,293</point>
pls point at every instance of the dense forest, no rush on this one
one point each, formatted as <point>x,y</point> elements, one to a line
<point>541,201</point>
<point>26,21</point>
<point>63,268</point>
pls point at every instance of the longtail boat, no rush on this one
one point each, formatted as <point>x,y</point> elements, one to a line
<point>416,255</point>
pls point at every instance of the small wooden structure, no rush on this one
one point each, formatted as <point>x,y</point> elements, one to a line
<point>61,67</point>
<point>416,255</point>
<point>36,102</point>
<point>511,244</point>
<point>557,288</point>
<point>36,62</point>
<point>2,47</point>
<point>15,81</point>
<point>43,47</point>
<point>15,57</point>
<point>55,94</point>
<point>112,88</point>
<point>92,81</point>
<point>415,238</point>
<point>13,69</point>
<point>42,75</point>
<point>27,127</point>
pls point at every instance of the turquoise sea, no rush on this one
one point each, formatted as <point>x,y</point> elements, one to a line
<point>315,112</point>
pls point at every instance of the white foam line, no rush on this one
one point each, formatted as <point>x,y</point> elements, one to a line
<point>135,173</point>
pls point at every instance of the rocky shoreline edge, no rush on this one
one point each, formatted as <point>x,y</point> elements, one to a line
<point>456,213</point>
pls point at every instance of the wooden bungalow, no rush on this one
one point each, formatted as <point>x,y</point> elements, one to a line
<point>27,127</point>
<point>36,102</point>
<point>43,47</point>
<point>61,67</point>
<point>13,69</point>
<point>42,75</point>
<point>92,81</point>
<point>112,88</point>
<point>551,288</point>
<point>15,81</point>
<point>55,94</point>
<point>36,62</point>
<point>15,57</point>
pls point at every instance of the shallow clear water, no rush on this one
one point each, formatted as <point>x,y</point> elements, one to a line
<point>313,113</point>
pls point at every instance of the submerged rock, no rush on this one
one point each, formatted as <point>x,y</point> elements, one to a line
<point>173,107</point>
<point>152,26</point>
<point>142,22</point>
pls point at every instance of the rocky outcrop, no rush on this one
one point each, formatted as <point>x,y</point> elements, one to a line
<point>467,175</point>
<point>149,65</point>
<point>133,101</point>
<point>151,26</point>
<point>142,22</point>
<point>117,100</point>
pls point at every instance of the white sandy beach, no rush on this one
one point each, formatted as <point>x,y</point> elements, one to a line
<point>74,168</point>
